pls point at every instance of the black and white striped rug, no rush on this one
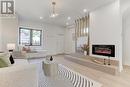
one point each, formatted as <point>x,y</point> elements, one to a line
<point>75,78</point>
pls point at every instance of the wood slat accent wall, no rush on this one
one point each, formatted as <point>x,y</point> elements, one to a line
<point>81,26</point>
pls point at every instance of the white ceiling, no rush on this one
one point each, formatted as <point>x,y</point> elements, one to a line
<point>33,9</point>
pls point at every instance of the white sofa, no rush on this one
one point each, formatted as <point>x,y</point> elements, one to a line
<point>19,75</point>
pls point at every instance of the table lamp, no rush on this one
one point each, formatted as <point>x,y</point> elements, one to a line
<point>11,47</point>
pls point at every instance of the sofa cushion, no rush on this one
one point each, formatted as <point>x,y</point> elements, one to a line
<point>27,49</point>
<point>19,76</point>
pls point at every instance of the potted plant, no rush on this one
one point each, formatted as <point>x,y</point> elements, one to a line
<point>85,49</point>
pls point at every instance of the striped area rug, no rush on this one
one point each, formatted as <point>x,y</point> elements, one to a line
<point>76,78</point>
<point>64,73</point>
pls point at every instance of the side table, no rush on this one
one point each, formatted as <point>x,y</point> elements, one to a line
<point>50,68</point>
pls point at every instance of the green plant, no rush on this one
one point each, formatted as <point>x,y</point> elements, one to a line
<point>85,47</point>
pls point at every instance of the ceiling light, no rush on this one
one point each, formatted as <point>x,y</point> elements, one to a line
<point>67,23</point>
<point>69,18</point>
<point>84,10</point>
<point>41,17</point>
<point>53,14</point>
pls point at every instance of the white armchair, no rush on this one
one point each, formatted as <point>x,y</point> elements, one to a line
<point>19,76</point>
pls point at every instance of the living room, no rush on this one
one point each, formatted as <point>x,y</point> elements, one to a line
<point>57,31</point>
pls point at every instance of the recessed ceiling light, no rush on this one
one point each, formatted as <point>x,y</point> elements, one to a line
<point>69,18</point>
<point>84,10</point>
<point>67,23</point>
<point>41,17</point>
<point>54,15</point>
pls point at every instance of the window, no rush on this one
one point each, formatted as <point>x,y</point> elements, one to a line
<point>30,37</point>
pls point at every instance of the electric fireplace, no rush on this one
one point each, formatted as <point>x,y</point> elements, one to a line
<point>104,50</point>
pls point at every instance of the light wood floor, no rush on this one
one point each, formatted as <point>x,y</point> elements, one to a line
<point>121,80</point>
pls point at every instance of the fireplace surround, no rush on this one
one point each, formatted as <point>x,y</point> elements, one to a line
<point>104,50</point>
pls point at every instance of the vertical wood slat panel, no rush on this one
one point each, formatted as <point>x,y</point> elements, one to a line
<point>82,25</point>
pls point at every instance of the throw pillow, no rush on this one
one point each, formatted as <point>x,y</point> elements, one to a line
<point>5,57</point>
<point>26,49</point>
<point>3,63</point>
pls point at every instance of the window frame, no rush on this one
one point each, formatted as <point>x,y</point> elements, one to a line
<point>31,34</point>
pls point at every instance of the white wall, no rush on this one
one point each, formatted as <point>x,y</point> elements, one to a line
<point>125,8</point>
<point>0,36</point>
<point>53,36</point>
<point>106,28</point>
<point>9,31</point>
<point>69,40</point>
<point>126,41</point>
<point>125,4</point>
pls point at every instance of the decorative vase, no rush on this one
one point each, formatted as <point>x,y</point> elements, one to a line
<point>11,59</point>
<point>85,53</point>
<point>51,59</point>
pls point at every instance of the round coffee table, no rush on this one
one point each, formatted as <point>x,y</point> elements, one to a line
<point>50,68</point>
<point>52,79</point>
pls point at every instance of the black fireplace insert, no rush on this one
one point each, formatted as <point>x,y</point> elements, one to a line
<point>104,50</point>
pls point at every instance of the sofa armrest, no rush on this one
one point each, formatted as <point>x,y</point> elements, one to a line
<point>19,76</point>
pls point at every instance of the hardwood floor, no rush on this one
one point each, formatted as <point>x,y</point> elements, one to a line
<point>121,80</point>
